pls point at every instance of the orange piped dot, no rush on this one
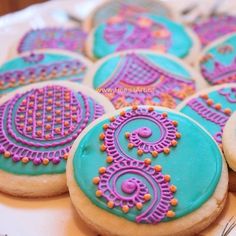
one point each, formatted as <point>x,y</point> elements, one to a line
<point>139,205</point>
<point>170,214</point>
<point>151,109</point>
<point>173,188</point>
<point>122,113</point>
<point>98,193</point>
<point>140,152</point>
<point>209,102</point>
<point>174,202</point>
<point>102,136</point>
<point>25,160</point>
<point>166,150</point>
<point>112,119</point>
<point>66,123</point>
<point>102,170</point>
<point>227,111</point>
<point>147,197</point>
<point>103,148</point>
<point>48,108</point>
<point>177,135</point>
<point>130,145</point>
<point>110,204</point>
<point>105,126</point>
<point>65,156</point>
<point>175,123</point>
<point>167,178</point>
<point>96,180</point>
<point>127,134</point>
<point>174,143</point>
<point>125,209</point>
<point>154,153</point>
<point>157,168</point>
<point>48,126</point>
<point>57,130</point>
<point>45,161</point>
<point>39,133</point>
<point>134,107</point>
<point>218,106</point>
<point>204,96</point>
<point>147,161</point>
<point>109,159</point>
<point>7,154</point>
<point>164,114</point>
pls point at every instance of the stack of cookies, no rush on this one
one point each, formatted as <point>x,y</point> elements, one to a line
<point>132,113</point>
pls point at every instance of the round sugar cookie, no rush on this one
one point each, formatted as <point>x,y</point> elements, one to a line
<point>144,174</point>
<point>142,31</point>
<point>212,28</point>
<point>229,136</point>
<point>38,126</point>
<point>69,39</point>
<point>42,65</point>
<point>125,8</point>
<point>142,77</point>
<point>217,63</point>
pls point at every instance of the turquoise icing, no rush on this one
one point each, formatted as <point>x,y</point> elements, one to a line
<point>181,42</point>
<point>194,171</point>
<point>211,127</point>
<point>223,58</point>
<point>20,168</point>
<point>107,68</point>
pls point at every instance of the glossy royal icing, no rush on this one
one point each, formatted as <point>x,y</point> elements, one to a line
<point>147,164</point>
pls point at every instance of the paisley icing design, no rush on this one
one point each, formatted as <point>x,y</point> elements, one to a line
<point>40,125</point>
<point>128,8</point>
<point>210,29</point>
<point>141,32</point>
<point>72,39</point>
<point>134,191</point>
<point>213,110</point>
<point>139,81</point>
<point>37,67</point>
<point>150,181</point>
<point>218,63</point>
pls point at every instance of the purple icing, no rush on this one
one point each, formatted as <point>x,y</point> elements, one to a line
<point>56,70</point>
<point>133,189</point>
<point>138,81</point>
<point>34,58</point>
<point>145,33</point>
<point>43,123</point>
<point>69,39</point>
<point>215,27</point>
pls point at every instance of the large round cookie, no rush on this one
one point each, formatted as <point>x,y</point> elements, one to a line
<point>150,171</point>
<point>214,27</point>
<point>217,63</point>
<point>142,77</point>
<point>69,39</point>
<point>229,136</point>
<point>38,126</point>
<point>142,31</point>
<point>125,8</point>
<point>42,65</point>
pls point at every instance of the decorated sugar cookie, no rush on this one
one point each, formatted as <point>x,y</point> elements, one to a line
<point>125,8</point>
<point>145,171</point>
<point>143,78</point>
<point>214,27</point>
<point>142,31</point>
<point>70,39</point>
<point>42,66</point>
<point>229,137</point>
<point>38,126</point>
<point>217,63</point>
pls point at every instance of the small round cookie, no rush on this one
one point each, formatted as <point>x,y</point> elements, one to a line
<point>69,39</point>
<point>211,108</point>
<point>42,65</point>
<point>217,63</point>
<point>229,137</point>
<point>210,29</point>
<point>142,77</point>
<point>39,123</point>
<point>142,31</point>
<point>145,174</point>
<point>125,8</point>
